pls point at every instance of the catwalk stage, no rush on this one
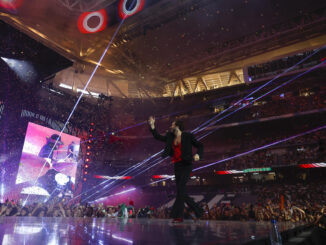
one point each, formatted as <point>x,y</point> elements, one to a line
<point>33,230</point>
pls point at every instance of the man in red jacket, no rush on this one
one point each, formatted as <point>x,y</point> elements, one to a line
<point>178,145</point>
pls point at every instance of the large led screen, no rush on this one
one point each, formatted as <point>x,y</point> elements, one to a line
<point>48,160</point>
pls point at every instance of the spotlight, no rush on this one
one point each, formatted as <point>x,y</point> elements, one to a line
<point>84,19</point>
<point>85,179</point>
<point>23,69</point>
<point>2,192</point>
<point>61,179</point>
<point>86,166</point>
<point>10,4</point>
<point>128,8</point>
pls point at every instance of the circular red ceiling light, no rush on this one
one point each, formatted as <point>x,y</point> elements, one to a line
<point>10,4</point>
<point>92,22</point>
<point>128,8</point>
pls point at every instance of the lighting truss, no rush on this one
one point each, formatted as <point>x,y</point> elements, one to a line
<point>85,5</point>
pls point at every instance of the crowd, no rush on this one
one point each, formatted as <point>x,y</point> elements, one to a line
<point>286,105</point>
<point>275,67</point>
<point>278,105</point>
<point>302,150</point>
<point>283,202</point>
<point>11,208</point>
<point>293,203</point>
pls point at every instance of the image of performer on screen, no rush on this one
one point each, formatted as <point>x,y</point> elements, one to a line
<point>53,143</point>
<point>71,151</point>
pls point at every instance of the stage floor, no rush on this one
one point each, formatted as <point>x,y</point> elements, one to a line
<point>32,230</point>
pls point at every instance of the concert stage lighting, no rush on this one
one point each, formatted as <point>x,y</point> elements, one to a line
<point>61,179</point>
<point>128,8</point>
<point>10,4</point>
<point>2,189</point>
<point>100,19</point>
<point>313,165</point>
<point>113,177</point>
<point>23,69</point>
<point>62,85</point>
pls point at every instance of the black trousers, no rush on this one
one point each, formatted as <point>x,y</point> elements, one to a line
<point>182,171</point>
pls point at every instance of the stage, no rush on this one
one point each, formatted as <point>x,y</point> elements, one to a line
<point>33,230</point>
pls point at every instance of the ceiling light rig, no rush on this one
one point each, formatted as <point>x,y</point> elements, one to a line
<point>85,5</point>
<point>98,20</point>
<point>101,21</point>
<point>128,8</point>
<point>10,4</point>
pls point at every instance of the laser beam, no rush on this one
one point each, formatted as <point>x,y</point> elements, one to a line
<point>283,84</point>
<point>80,97</point>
